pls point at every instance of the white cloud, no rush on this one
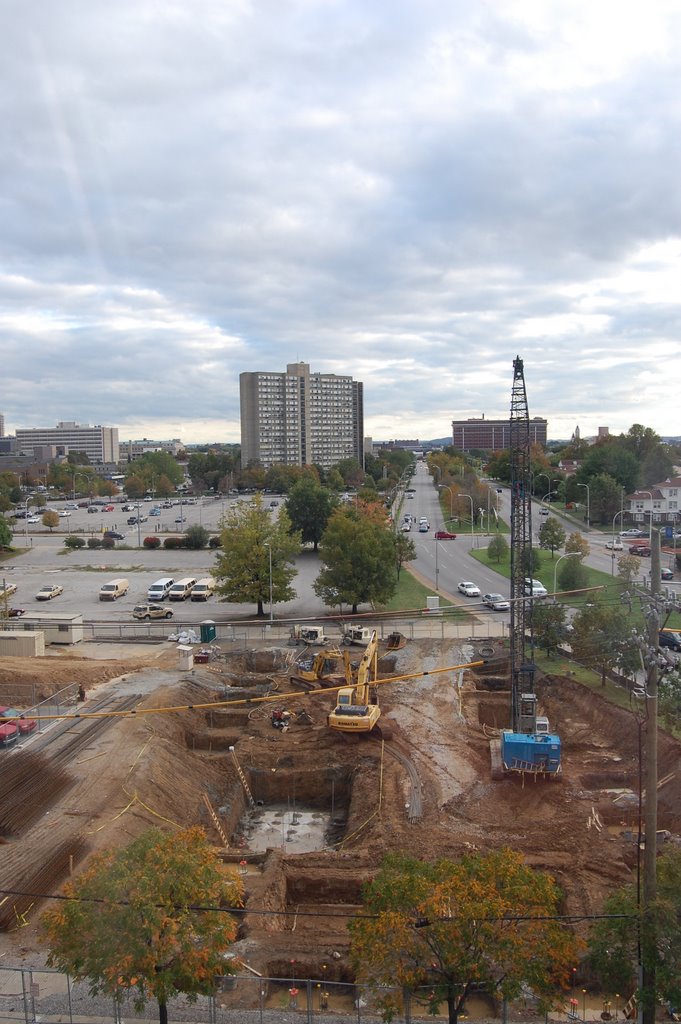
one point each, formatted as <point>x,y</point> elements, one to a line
<point>409,193</point>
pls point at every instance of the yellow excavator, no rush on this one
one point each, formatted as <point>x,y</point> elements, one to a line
<point>354,712</point>
<point>322,670</point>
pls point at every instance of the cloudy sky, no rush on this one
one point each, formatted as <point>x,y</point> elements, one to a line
<point>408,192</point>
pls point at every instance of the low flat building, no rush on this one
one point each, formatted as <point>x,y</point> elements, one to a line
<point>100,444</point>
<point>493,435</point>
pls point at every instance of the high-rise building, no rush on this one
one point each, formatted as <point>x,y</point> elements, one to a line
<point>100,444</point>
<point>492,435</point>
<point>300,418</point>
<point>2,425</point>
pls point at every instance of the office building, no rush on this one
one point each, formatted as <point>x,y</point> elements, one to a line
<point>300,418</point>
<point>492,435</point>
<point>100,444</point>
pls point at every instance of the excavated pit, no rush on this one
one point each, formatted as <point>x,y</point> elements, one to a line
<point>298,810</point>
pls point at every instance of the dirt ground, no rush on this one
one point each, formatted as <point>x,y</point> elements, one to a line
<point>159,767</point>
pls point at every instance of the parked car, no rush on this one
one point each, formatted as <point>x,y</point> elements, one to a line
<point>83,504</point>
<point>406,527</point>
<point>614,545</point>
<point>154,511</point>
<point>535,588</point>
<point>444,535</point>
<point>7,588</point>
<point>49,591</point>
<point>113,535</point>
<point>669,638</point>
<point>468,588</point>
<point>108,508</point>
<point>132,520</point>
<point>33,519</point>
<point>496,602</point>
<point>14,613</point>
<point>152,611</point>
<point>63,514</point>
<point>24,725</point>
<point>642,550</point>
<point>8,734</point>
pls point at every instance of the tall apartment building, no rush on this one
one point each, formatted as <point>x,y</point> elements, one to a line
<point>492,435</point>
<point>299,418</point>
<point>100,444</point>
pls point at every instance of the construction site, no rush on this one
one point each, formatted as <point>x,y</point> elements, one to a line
<point>306,811</point>
<point>306,763</point>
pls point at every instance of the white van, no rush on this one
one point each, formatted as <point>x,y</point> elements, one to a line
<point>159,590</point>
<point>113,590</point>
<point>181,590</point>
<point>204,589</point>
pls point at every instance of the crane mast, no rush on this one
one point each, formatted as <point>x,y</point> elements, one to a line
<point>523,711</point>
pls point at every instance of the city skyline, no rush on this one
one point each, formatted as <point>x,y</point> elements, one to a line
<point>412,194</point>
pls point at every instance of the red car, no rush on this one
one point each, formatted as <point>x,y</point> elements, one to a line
<point>639,549</point>
<point>15,719</point>
<point>108,508</point>
<point>443,535</point>
<point>8,734</point>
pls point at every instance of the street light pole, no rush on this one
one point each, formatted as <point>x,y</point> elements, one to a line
<point>437,568</point>
<point>269,550</point>
<point>588,503</point>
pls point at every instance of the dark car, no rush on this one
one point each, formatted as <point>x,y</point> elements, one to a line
<point>639,549</point>
<point>443,535</point>
<point>132,521</point>
<point>112,535</point>
<point>666,574</point>
<point>668,638</point>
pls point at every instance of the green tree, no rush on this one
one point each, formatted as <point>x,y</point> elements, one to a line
<point>153,465</point>
<point>498,549</point>
<point>549,622</point>
<point>309,507</point>
<point>334,481</point>
<point>405,550</point>
<point>196,537</point>
<point>249,536</point>
<point>73,543</point>
<point>577,544</point>
<point>551,535</point>
<point>163,487</point>
<point>606,498</point>
<point>50,519</point>
<point>131,921</point>
<point>443,929</point>
<point>135,486</point>
<point>5,533</point>
<point>358,557</point>
<point>601,639</point>
<point>208,469</point>
<point>572,574</point>
<point>613,943</point>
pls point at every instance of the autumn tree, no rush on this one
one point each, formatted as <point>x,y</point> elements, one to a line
<point>50,519</point>
<point>439,930</point>
<point>577,544</point>
<point>498,549</point>
<point>309,506</point>
<point>551,535</point>
<point>628,568</point>
<point>132,922</point>
<point>358,557</point>
<point>251,542</point>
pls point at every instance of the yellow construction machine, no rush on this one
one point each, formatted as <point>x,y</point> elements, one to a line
<point>322,670</point>
<point>355,712</point>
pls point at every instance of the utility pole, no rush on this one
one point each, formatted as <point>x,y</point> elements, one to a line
<point>648,929</point>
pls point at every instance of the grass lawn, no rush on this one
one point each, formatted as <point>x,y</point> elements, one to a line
<point>411,595</point>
